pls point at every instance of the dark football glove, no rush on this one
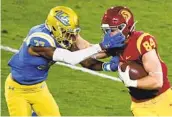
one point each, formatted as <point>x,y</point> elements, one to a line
<point>112,65</point>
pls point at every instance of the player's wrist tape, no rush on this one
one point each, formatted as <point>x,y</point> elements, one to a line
<point>106,67</point>
<point>109,66</point>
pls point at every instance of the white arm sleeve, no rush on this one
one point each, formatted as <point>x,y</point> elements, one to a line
<point>75,57</point>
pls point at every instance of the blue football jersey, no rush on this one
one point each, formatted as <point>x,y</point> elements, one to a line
<point>27,69</point>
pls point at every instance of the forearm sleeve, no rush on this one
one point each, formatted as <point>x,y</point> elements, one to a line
<point>75,57</point>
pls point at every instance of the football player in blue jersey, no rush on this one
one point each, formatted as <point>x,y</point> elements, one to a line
<point>57,39</point>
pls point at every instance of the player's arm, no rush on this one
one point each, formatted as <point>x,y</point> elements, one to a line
<point>41,44</point>
<point>152,65</point>
<point>63,55</point>
<point>46,52</point>
<point>82,44</point>
<point>67,56</point>
<point>92,62</point>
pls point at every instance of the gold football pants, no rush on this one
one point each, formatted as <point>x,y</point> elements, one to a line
<point>22,99</point>
<point>158,106</point>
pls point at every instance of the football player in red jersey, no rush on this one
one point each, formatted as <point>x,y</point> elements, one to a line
<point>151,95</point>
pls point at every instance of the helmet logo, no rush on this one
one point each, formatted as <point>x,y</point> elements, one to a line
<point>63,18</point>
<point>126,15</point>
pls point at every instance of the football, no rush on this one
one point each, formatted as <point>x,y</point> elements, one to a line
<point>136,71</point>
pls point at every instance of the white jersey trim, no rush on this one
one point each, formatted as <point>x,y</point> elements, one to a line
<point>41,35</point>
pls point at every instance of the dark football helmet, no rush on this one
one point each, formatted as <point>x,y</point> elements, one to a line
<point>118,17</point>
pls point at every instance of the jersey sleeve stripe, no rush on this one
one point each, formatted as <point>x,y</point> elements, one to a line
<point>41,35</point>
<point>139,41</point>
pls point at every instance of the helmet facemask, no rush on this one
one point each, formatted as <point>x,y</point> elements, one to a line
<point>106,28</point>
<point>65,38</point>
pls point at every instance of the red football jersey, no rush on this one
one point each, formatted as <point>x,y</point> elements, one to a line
<point>139,43</point>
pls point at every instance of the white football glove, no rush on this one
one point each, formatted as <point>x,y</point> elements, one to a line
<point>124,76</point>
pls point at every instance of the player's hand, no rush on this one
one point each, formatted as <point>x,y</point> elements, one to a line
<point>112,65</point>
<point>124,76</point>
<point>112,41</point>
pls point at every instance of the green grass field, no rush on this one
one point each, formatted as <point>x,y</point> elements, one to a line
<point>78,93</point>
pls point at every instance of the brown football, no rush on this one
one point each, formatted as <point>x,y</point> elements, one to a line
<point>137,70</point>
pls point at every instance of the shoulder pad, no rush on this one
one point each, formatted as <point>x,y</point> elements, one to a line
<point>40,39</point>
<point>146,43</point>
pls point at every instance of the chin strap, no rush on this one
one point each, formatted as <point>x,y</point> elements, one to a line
<point>47,27</point>
<point>133,26</point>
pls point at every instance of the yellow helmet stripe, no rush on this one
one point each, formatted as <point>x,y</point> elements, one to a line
<point>139,41</point>
<point>41,35</point>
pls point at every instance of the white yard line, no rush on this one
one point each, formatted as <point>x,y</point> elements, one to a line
<point>6,48</point>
